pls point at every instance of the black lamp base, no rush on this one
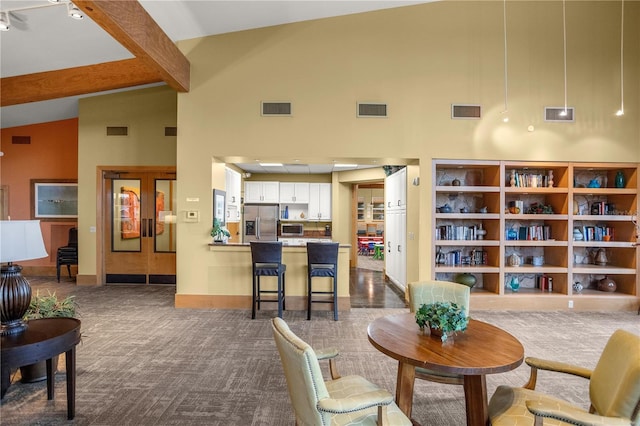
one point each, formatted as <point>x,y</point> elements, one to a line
<point>15,297</point>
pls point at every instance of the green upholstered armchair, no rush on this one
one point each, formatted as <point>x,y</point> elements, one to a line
<point>351,400</point>
<point>614,390</point>
<point>425,292</point>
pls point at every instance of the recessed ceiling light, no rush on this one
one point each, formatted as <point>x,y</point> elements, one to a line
<point>345,166</point>
<point>271,164</point>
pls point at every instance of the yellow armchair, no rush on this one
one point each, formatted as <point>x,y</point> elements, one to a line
<point>425,292</point>
<point>614,390</point>
<point>348,400</point>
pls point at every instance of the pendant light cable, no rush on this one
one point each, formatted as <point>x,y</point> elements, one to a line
<point>621,110</point>
<point>564,40</point>
<point>506,84</point>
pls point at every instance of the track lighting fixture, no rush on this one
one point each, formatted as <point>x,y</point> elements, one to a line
<point>505,117</point>
<point>621,110</point>
<point>5,24</point>
<point>74,12</point>
<point>563,113</point>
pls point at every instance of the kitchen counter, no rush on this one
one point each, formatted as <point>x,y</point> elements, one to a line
<point>229,279</point>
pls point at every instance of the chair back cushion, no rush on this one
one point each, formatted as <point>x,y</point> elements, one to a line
<point>304,377</point>
<point>326,253</point>
<point>266,252</point>
<point>425,292</point>
<point>614,387</point>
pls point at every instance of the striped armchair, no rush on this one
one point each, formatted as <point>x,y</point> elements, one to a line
<point>349,400</point>
<point>425,292</point>
<point>614,390</point>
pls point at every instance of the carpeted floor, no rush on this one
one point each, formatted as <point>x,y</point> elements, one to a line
<point>143,362</point>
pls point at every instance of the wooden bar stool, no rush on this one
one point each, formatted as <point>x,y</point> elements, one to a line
<point>266,258</point>
<point>322,261</point>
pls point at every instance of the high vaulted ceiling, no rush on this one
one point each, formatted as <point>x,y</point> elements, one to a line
<point>48,60</point>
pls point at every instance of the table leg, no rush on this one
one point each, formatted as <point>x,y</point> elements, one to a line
<point>70,356</point>
<point>50,379</point>
<point>5,379</point>
<point>404,387</point>
<point>475,396</point>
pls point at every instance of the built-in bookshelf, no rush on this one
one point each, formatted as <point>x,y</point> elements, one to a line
<point>540,223</point>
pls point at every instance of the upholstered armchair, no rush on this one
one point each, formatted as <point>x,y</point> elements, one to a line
<point>343,400</point>
<point>425,292</point>
<point>614,390</point>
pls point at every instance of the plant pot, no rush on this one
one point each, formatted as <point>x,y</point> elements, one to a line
<point>37,372</point>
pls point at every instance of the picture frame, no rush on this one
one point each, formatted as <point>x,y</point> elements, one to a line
<point>219,203</point>
<point>54,199</point>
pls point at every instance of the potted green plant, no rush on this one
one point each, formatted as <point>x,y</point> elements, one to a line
<point>47,306</point>
<point>219,232</point>
<point>442,318</point>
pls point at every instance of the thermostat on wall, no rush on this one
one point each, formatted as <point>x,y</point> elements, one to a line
<point>192,216</point>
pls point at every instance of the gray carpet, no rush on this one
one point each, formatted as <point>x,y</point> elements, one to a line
<point>143,362</point>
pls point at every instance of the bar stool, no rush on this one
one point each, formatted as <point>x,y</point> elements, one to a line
<point>266,258</point>
<point>322,261</point>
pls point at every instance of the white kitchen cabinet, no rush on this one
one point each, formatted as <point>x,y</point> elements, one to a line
<point>320,201</point>
<point>232,179</point>
<point>395,235</point>
<point>395,247</point>
<point>294,192</point>
<point>395,190</point>
<point>261,192</point>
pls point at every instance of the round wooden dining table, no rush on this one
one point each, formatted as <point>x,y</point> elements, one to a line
<point>480,350</point>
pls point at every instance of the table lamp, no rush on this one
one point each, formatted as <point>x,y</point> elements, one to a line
<point>19,240</point>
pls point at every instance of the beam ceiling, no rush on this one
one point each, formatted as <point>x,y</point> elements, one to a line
<point>157,59</point>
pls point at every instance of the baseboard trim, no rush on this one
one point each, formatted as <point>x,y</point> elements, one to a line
<point>207,301</point>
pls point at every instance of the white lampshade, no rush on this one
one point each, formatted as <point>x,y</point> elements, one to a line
<point>21,240</point>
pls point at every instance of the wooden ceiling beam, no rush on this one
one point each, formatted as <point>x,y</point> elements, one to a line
<point>48,85</point>
<point>130,24</point>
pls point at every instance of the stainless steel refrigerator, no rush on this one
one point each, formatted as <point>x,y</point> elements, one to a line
<point>260,222</point>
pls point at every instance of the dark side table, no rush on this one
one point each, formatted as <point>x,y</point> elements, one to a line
<point>42,340</point>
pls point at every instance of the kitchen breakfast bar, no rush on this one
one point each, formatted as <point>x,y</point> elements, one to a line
<point>229,280</point>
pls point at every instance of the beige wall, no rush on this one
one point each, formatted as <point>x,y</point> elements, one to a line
<point>146,113</point>
<point>419,60</point>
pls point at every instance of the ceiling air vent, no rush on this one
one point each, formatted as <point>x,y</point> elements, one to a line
<point>117,130</point>
<point>369,109</point>
<point>466,111</point>
<point>21,140</point>
<point>171,131</point>
<point>555,114</point>
<point>276,109</point>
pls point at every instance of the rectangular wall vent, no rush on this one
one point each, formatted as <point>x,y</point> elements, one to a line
<point>466,111</point>
<point>117,130</point>
<point>171,131</point>
<point>556,114</point>
<point>280,109</point>
<point>21,140</point>
<point>370,109</point>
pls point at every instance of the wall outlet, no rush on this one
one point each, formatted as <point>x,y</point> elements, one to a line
<point>570,304</point>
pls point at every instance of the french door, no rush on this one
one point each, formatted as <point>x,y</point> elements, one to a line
<point>140,227</point>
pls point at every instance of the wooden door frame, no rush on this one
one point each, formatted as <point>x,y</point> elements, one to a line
<point>102,197</point>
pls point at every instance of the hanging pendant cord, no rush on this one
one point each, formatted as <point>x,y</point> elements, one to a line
<point>564,39</point>
<point>622,60</point>
<point>506,86</point>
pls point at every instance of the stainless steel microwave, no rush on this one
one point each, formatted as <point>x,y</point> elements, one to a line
<point>291,229</point>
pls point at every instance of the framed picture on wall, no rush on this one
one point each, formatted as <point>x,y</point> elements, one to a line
<point>219,206</point>
<point>54,199</point>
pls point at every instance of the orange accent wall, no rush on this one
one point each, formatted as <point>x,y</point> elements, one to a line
<point>52,154</point>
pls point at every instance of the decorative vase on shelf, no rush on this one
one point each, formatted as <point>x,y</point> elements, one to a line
<point>619,179</point>
<point>577,235</point>
<point>607,284</point>
<point>601,258</point>
<point>514,284</point>
<point>466,279</point>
